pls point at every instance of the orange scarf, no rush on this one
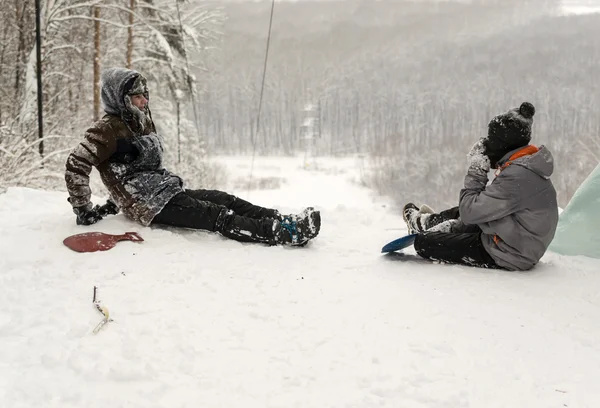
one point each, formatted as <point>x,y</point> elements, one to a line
<point>526,151</point>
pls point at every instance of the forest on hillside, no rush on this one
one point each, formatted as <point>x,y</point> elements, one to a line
<point>411,84</point>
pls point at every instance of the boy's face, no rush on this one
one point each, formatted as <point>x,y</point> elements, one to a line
<point>139,101</point>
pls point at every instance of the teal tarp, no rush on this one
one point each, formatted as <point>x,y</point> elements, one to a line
<point>578,231</point>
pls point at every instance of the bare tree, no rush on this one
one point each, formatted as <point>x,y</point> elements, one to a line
<point>130,34</point>
<point>97,56</point>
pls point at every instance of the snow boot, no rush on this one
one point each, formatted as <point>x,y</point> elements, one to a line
<point>297,229</point>
<point>416,218</point>
<point>296,217</point>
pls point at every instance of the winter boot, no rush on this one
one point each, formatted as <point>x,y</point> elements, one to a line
<point>416,218</point>
<point>297,230</point>
<point>296,217</point>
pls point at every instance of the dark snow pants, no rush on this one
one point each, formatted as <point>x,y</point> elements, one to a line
<point>446,215</point>
<point>217,211</point>
<point>459,247</point>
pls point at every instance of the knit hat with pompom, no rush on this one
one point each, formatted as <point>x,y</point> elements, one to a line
<point>509,131</point>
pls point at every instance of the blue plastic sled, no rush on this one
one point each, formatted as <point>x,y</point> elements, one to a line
<point>399,243</point>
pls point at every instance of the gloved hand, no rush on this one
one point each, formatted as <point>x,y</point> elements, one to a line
<point>86,215</point>
<point>477,158</point>
<point>107,209</point>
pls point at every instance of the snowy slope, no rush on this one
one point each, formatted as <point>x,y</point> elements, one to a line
<point>200,321</point>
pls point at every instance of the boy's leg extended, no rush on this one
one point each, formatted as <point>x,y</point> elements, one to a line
<point>457,248</point>
<point>185,211</point>
<point>420,221</point>
<point>431,220</point>
<point>239,206</point>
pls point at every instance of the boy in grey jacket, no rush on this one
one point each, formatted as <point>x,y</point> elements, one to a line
<point>508,224</point>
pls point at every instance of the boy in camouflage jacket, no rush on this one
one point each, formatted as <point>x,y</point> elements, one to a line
<point>127,152</point>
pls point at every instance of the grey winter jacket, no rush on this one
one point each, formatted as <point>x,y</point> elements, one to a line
<point>127,154</point>
<point>518,211</point>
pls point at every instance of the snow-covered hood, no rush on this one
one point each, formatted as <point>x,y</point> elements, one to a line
<point>113,89</point>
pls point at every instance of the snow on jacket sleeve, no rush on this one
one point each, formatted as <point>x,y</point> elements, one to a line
<point>479,204</point>
<point>98,145</point>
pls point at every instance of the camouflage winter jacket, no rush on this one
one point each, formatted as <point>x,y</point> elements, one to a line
<point>128,158</point>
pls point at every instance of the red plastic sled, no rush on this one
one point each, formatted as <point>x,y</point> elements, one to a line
<point>98,241</point>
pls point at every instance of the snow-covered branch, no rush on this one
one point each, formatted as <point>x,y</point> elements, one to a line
<point>82,17</point>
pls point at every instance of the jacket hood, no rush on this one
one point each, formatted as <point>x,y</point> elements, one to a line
<point>118,84</point>
<point>114,81</point>
<point>540,162</point>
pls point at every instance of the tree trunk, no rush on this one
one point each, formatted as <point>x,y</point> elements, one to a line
<point>96,63</point>
<point>178,131</point>
<point>20,20</point>
<point>130,34</point>
<point>5,45</point>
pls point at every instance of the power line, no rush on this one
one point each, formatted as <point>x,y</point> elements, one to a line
<point>262,89</point>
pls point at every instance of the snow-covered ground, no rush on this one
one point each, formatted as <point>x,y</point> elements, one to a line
<point>201,321</point>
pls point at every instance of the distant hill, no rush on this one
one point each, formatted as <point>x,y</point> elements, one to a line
<point>452,95</point>
<point>405,79</point>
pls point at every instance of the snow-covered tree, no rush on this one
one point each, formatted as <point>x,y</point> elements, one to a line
<point>79,39</point>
